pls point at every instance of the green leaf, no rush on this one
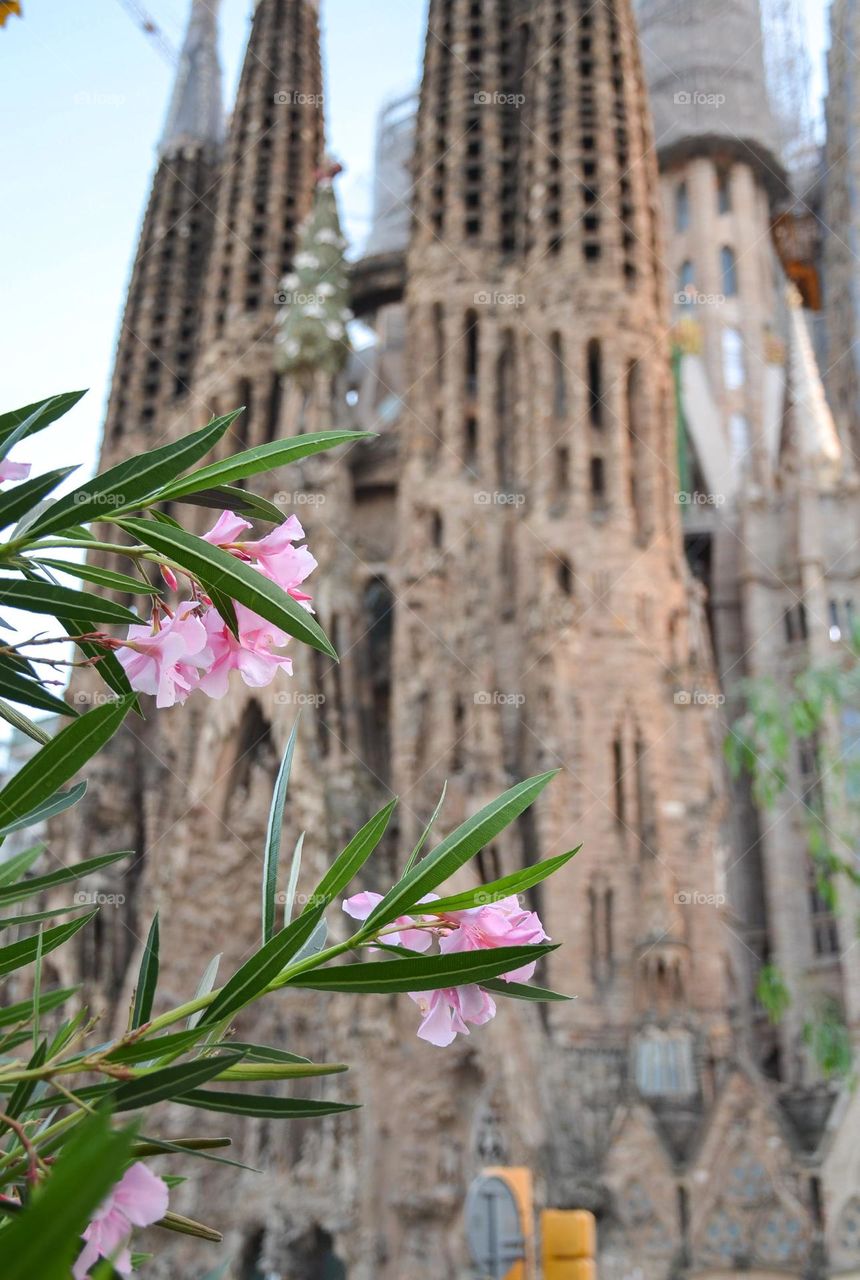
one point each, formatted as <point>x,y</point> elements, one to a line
<point>261,1052</point>
<point>23,1012</point>
<point>456,850</point>
<point>125,486</point>
<point>264,457</point>
<point>188,1227</point>
<point>35,917</point>
<point>347,865</point>
<point>249,1104</point>
<point>252,1071</point>
<point>36,417</point>
<point>166,1082</point>
<point>158,1047</point>
<point>23,952</point>
<point>66,602</point>
<point>241,501</point>
<point>60,759</point>
<point>107,578</point>
<point>27,888</point>
<point>20,864</point>
<point>421,973</point>
<point>47,809</point>
<point>232,577</point>
<point>422,840</point>
<point>31,693</point>
<point>19,721</point>
<point>522,991</point>
<point>255,974</point>
<point>24,1089</point>
<point>44,1239</point>
<point>292,885</point>
<point>147,978</point>
<point>274,832</point>
<point>207,982</point>
<point>508,886</point>
<point>14,503</point>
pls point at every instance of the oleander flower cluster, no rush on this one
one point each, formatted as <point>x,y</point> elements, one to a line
<point>139,1199</point>
<point>190,646</point>
<point>447,1013</point>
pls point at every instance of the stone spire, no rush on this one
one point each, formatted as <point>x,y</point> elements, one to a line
<point>813,429</point>
<point>196,111</point>
<point>705,73</point>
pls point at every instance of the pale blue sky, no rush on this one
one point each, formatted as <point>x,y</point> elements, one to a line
<point>82,99</point>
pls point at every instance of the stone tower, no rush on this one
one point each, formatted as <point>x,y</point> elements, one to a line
<point>842,218</point>
<point>505,579</point>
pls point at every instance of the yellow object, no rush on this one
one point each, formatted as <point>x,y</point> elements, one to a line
<point>520,1182</point>
<point>7,8</point>
<point>568,1244</point>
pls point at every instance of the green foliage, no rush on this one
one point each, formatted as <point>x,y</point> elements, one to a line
<point>772,993</point>
<point>60,1085</point>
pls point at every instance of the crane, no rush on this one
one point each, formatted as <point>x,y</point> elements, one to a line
<point>150,28</point>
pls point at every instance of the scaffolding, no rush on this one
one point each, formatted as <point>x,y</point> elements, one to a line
<point>788,71</point>
<point>151,29</point>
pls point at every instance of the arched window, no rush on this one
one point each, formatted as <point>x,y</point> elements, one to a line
<point>439,342</point>
<point>724,192</point>
<point>682,207</point>
<point>559,377</point>
<point>437,529</point>
<point>471,337</point>
<point>729,271</point>
<point>597,474</point>
<point>470,441</point>
<point>594,362</point>
<point>564,573</point>
<point>636,446</point>
<point>686,287</point>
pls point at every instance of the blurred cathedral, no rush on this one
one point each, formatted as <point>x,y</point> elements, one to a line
<point>613,376</point>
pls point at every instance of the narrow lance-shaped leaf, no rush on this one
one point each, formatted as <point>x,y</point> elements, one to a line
<point>24,1010</point>
<point>274,833</point>
<point>44,1239</point>
<point>107,578</point>
<point>508,886</point>
<point>47,809</point>
<point>123,487</point>
<point>232,577</point>
<point>422,839</point>
<point>347,865</point>
<point>249,1104</point>
<point>24,952</point>
<point>421,973</point>
<point>455,850</point>
<point>66,602</point>
<point>30,693</point>
<point>523,991</point>
<point>207,982</point>
<point>147,978</point>
<point>292,885</point>
<point>60,759</point>
<point>36,417</point>
<point>16,502</point>
<point>263,458</point>
<point>19,721</point>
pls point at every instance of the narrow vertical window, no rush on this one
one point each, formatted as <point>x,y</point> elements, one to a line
<point>597,473</point>
<point>724,193</point>
<point>682,207</point>
<point>242,426</point>
<point>559,377</point>
<point>618,780</point>
<point>470,441</point>
<point>594,361</point>
<point>472,353</point>
<point>506,399</point>
<point>273,416</point>
<point>439,342</point>
<point>729,271</point>
<point>686,287</point>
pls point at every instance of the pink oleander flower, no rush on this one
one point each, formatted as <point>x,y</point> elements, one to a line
<point>498,924</point>
<point>14,470</point>
<point>166,657</point>
<point>276,555</point>
<point>251,654</point>
<point>139,1199</point>
<point>445,1013</point>
<point>360,905</point>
